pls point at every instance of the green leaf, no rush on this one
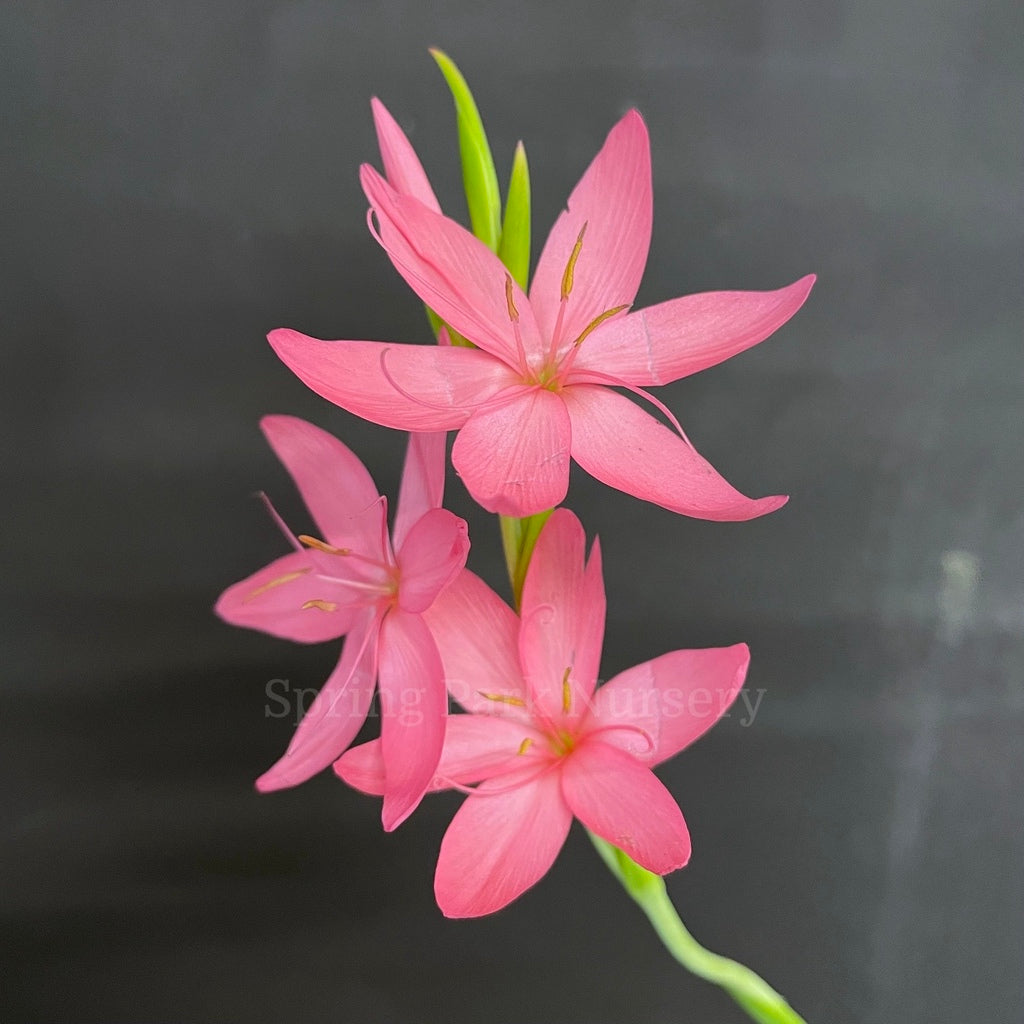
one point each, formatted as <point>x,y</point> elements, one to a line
<point>514,249</point>
<point>478,174</point>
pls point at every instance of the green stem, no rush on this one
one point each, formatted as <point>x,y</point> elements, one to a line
<point>518,538</point>
<point>755,995</point>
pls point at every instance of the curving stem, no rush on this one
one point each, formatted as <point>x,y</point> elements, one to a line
<point>648,890</point>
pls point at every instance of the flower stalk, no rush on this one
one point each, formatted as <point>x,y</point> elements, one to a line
<point>518,538</point>
<point>761,1002</point>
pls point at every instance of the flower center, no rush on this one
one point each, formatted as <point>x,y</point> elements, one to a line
<point>552,372</point>
<point>369,579</point>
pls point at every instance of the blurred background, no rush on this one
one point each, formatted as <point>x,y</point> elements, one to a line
<point>181,177</point>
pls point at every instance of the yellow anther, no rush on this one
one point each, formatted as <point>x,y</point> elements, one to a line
<point>286,578</point>
<point>324,606</point>
<point>525,745</point>
<point>597,321</point>
<point>566,691</point>
<point>503,698</point>
<point>513,313</point>
<point>570,267</point>
<point>322,545</point>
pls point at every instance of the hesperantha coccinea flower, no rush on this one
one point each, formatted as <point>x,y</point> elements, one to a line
<point>357,580</point>
<point>539,386</point>
<point>539,742</point>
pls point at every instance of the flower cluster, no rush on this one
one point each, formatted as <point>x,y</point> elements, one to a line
<point>529,379</point>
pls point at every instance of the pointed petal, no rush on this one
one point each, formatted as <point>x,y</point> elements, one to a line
<point>476,635</point>
<point>674,339</point>
<point>476,747</point>
<point>404,171</point>
<point>422,486</point>
<point>675,698</point>
<point>513,454</point>
<point>616,441</point>
<point>413,709</point>
<point>276,600</point>
<point>613,198</point>
<point>334,484</point>
<point>619,798</point>
<point>433,554</point>
<point>562,619</point>
<point>454,273</point>
<point>336,715</point>
<point>409,387</point>
<point>498,846</point>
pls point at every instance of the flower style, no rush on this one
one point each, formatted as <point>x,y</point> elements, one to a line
<point>353,581</point>
<point>538,387</point>
<point>540,742</point>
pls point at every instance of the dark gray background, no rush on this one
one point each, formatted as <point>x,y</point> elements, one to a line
<point>179,178</point>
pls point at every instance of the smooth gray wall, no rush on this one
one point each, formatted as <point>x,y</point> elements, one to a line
<point>179,178</point>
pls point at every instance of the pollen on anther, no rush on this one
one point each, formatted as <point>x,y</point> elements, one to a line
<point>513,313</point>
<point>503,698</point>
<point>570,267</point>
<point>566,691</point>
<point>322,545</point>
<point>324,606</point>
<point>525,746</point>
<point>596,322</point>
<point>278,581</point>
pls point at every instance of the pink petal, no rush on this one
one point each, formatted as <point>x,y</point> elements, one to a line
<point>409,387</point>
<point>404,171</point>
<point>422,486</point>
<point>674,339</point>
<point>476,635</point>
<point>433,554</point>
<point>618,443</point>
<point>336,715</point>
<point>675,698</point>
<point>475,747</point>
<point>451,271</point>
<point>274,600</point>
<point>334,484</point>
<point>513,454</point>
<point>413,709</point>
<point>498,846</point>
<point>362,767</point>
<point>613,198</point>
<point>619,798</point>
<point>562,612</point>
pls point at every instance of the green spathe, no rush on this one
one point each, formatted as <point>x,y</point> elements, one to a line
<point>514,250</point>
<point>478,173</point>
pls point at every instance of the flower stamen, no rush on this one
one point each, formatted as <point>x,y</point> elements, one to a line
<point>324,606</point>
<point>503,698</point>
<point>513,315</point>
<point>570,267</point>
<point>597,321</point>
<point>566,692</point>
<point>322,545</point>
<point>524,746</point>
<point>279,581</point>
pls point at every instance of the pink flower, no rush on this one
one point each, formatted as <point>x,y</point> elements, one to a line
<point>351,580</point>
<point>538,388</point>
<point>545,747</point>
